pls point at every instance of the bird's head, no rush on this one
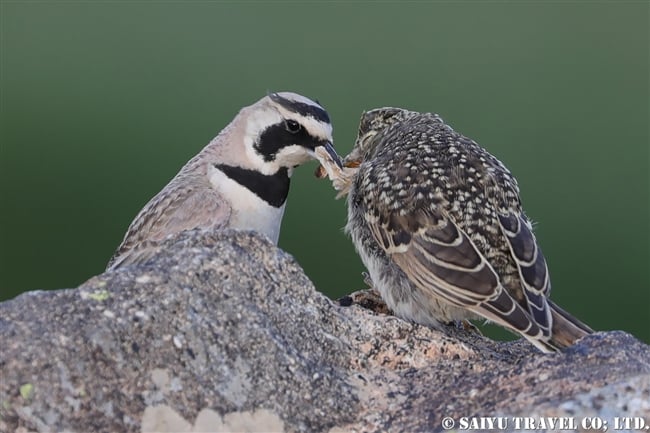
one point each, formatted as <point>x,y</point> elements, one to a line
<point>284,130</point>
<point>372,127</point>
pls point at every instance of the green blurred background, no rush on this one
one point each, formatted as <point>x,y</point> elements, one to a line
<point>103,102</point>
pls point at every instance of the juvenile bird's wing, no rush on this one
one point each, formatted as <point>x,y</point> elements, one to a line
<point>438,256</point>
<point>563,328</point>
<point>533,271</point>
<point>173,210</point>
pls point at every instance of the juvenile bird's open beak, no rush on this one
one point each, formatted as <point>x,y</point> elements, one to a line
<point>329,148</point>
<point>352,163</point>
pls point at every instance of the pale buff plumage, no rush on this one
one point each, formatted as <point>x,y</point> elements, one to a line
<point>205,196</point>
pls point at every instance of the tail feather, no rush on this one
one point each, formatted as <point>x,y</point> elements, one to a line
<point>566,329</point>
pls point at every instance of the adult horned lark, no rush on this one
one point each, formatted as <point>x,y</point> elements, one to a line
<point>438,222</point>
<point>239,180</point>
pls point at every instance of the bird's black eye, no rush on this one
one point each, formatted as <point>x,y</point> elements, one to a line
<point>292,126</point>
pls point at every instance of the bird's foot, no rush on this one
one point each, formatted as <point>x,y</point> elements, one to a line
<point>369,299</point>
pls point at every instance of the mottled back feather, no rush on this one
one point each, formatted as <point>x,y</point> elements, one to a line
<point>448,214</point>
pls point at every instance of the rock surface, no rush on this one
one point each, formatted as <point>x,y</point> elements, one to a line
<point>224,332</point>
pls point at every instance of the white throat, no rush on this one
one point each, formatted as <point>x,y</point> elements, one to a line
<point>248,211</point>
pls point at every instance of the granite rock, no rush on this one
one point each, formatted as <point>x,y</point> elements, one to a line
<point>225,332</point>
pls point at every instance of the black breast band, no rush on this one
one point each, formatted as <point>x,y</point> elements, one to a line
<point>272,188</point>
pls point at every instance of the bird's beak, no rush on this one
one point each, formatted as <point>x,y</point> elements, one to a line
<point>330,162</point>
<point>329,148</point>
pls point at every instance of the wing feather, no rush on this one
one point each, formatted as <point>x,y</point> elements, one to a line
<point>173,210</point>
<point>533,271</point>
<point>438,256</point>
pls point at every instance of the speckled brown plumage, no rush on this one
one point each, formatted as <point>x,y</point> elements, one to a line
<point>438,222</point>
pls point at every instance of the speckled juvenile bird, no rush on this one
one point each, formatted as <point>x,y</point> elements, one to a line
<point>438,222</point>
<point>239,180</point>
